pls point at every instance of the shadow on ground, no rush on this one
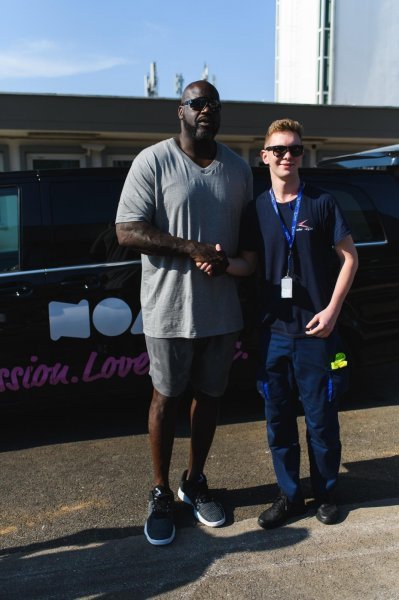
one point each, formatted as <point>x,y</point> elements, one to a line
<point>129,567</point>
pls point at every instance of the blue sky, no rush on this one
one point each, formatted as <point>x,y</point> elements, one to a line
<point>105,47</point>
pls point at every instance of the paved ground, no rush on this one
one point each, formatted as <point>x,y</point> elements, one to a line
<point>356,559</point>
<point>73,495</point>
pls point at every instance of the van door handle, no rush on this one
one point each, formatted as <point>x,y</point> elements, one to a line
<point>19,291</point>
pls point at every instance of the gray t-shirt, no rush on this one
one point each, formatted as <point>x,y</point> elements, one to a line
<point>166,188</point>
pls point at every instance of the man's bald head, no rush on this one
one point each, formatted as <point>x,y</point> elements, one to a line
<point>200,88</point>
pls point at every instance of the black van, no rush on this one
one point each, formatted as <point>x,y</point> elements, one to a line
<point>70,320</point>
<point>70,309</point>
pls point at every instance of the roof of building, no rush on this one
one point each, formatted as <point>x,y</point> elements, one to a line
<point>70,113</point>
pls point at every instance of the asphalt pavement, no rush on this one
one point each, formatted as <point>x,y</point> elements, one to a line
<point>356,559</point>
<point>74,493</point>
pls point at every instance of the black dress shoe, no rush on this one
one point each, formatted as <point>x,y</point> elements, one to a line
<point>327,512</point>
<point>280,511</point>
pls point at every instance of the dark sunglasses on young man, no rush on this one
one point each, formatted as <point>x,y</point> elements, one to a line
<point>199,104</point>
<point>280,151</point>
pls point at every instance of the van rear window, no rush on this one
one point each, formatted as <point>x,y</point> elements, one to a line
<point>359,212</point>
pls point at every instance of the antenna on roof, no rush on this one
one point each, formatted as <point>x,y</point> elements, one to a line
<point>151,81</point>
<point>179,82</point>
<point>205,75</point>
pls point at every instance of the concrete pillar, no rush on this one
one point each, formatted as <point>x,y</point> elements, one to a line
<point>313,155</point>
<point>14,155</point>
<point>93,151</point>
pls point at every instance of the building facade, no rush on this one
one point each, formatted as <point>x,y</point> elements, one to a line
<point>50,130</point>
<point>337,52</point>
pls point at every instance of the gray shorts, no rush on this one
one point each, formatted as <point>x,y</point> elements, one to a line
<point>203,362</point>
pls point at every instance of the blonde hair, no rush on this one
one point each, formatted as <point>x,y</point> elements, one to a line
<point>284,125</point>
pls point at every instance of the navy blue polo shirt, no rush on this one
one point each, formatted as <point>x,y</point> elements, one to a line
<point>320,226</point>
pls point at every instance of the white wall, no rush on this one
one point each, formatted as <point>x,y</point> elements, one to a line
<point>296,48</point>
<point>365,60</point>
<point>366,52</point>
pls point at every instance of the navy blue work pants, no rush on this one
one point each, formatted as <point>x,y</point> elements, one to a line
<point>301,368</point>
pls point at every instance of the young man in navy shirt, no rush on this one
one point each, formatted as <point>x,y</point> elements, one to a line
<point>292,230</point>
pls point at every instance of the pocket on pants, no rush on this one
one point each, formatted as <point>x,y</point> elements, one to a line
<point>338,378</point>
<point>263,389</point>
<point>337,383</point>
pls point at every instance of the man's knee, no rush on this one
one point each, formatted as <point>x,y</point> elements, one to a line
<point>160,403</point>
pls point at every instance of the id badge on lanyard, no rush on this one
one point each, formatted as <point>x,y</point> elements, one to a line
<point>286,282</point>
<point>286,287</point>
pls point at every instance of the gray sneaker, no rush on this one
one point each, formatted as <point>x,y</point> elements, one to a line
<point>159,528</point>
<point>196,493</point>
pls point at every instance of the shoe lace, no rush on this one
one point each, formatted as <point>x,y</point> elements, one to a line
<point>203,494</point>
<point>280,501</point>
<point>162,504</point>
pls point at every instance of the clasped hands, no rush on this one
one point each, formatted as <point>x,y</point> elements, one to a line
<point>212,260</point>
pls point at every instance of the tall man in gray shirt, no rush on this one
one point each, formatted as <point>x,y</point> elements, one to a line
<point>180,198</point>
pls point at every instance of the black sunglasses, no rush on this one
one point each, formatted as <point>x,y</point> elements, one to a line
<point>200,103</point>
<point>279,151</point>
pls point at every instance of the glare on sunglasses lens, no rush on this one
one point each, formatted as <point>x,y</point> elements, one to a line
<point>280,151</point>
<point>201,102</point>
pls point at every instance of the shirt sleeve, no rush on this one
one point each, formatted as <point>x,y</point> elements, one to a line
<point>137,201</point>
<point>338,226</point>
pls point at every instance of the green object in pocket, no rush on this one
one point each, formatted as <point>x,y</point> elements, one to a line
<point>339,362</point>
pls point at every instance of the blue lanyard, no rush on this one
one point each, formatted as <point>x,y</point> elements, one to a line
<point>290,237</point>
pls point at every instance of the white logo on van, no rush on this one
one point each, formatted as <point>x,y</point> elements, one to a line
<point>111,317</point>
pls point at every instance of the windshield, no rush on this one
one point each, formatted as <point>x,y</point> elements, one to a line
<point>379,158</point>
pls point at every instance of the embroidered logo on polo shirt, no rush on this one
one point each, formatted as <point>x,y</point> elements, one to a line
<point>303,226</point>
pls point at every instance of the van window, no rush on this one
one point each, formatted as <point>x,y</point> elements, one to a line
<point>52,163</point>
<point>9,230</point>
<point>359,212</point>
<point>55,161</point>
<point>83,213</point>
<point>120,160</point>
